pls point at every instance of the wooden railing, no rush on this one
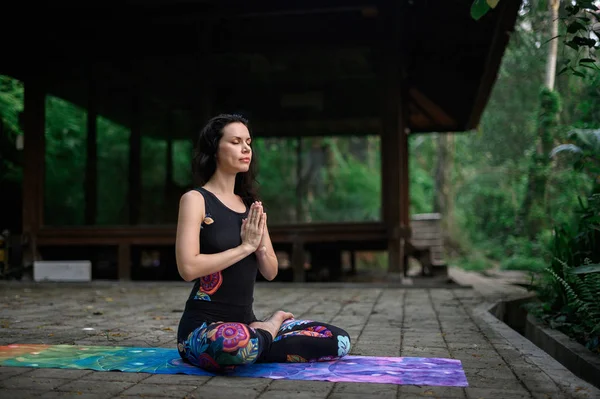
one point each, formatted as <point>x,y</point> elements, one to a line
<point>165,235</point>
<point>325,240</point>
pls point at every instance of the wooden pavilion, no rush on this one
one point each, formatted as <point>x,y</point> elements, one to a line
<point>295,68</point>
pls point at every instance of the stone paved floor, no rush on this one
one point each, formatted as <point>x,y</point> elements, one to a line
<point>381,322</point>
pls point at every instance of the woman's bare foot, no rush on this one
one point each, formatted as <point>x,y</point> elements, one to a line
<point>273,323</point>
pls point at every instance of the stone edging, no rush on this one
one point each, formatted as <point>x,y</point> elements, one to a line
<point>562,377</point>
<point>569,353</point>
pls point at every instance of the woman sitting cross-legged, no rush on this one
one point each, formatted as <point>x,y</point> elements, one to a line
<point>222,243</point>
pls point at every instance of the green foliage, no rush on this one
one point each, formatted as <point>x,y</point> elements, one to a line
<point>570,303</point>
<point>354,192</point>
<point>585,150</point>
<point>480,7</point>
<point>518,262</point>
<point>582,33</point>
<point>475,262</point>
<point>582,22</point>
<point>569,297</point>
<point>11,105</point>
<point>276,178</point>
<point>113,169</point>
<point>64,163</point>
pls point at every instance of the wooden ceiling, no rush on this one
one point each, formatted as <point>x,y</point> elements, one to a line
<point>293,67</point>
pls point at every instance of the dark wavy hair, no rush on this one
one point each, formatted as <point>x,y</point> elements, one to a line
<point>204,161</point>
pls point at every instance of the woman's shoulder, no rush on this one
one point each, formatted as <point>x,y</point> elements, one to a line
<point>192,197</point>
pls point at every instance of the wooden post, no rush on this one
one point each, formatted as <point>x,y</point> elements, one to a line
<point>394,139</point>
<point>300,217</point>
<point>124,261</point>
<point>91,176</point>
<point>169,184</point>
<point>298,261</point>
<point>33,164</point>
<point>135,152</point>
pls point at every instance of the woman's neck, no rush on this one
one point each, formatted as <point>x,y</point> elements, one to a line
<point>221,183</point>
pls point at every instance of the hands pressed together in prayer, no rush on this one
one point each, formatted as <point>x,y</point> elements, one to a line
<point>253,227</point>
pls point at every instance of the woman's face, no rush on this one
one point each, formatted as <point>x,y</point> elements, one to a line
<point>234,154</point>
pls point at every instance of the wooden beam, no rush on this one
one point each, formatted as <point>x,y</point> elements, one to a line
<point>394,138</point>
<point>344,126</point>
<point>195,13</point>
<point>91,166</point>
<point>429,108</point>
<point>134,196</point>
<point>166,234</point>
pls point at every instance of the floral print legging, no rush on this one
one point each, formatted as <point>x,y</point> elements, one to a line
<point>222,346</point>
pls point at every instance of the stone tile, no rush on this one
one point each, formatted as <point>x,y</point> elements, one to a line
<point>546,395</point>
<point>432,391</point>
<point>318,387</point>
<point>94,386</point>
<point>469,362</point>
<point>159,390</point>
<point>492,393</point>
<point>363,395</point>
<point>27,382</point>
<point>296,394</point>
<point>380,321</point>
<point>178,379</point>
<point>7,372</point>
<point>117,376</point>
<point>19,393</point>
<point>237,382</point>
<point>426,352</point>
<point>204,392</point>
<point>424,343</point>
<point>466,338</point>
<point>59,373</point>
<point>479,381</point>
<point>539,382</point>
<point>475,347</point>
<point>78,395</point>
<point>377,390</point>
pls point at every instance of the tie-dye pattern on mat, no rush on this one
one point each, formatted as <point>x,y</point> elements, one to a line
<point>386,370</point>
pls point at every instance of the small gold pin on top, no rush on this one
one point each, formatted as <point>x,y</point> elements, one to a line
<point>208,220</point>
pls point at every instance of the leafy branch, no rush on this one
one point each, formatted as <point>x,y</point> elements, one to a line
<point>582,22</point>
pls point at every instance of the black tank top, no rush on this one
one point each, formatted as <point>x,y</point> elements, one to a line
<point>227,295</point>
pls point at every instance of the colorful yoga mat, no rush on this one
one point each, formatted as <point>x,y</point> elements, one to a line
<point>385,370</point>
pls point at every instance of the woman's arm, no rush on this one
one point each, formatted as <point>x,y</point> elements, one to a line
<point>191,264</point>
<point>267,260</point>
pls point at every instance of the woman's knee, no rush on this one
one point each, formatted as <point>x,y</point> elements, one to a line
<point>220,345</point>
<point>344,345</point>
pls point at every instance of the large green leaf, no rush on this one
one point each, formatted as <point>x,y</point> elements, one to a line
<point>572,148</point>
<point>479,8</point>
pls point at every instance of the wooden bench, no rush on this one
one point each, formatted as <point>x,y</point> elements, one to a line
<point>426,244</point>
<point>324,243</point>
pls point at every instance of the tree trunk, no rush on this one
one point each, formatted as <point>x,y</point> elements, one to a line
<point>531,223</point>
<point>306,173</point>
<point>442,201</point>
<point>554,6</point>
